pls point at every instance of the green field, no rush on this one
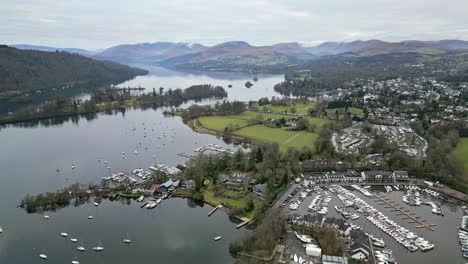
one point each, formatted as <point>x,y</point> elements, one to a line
<point>218,123</point>
<point>301,108</point>
<point>282,136</point>
<point>461,152</point>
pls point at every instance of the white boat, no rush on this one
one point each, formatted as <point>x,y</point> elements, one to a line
<point>96,204</point>
<point>127,240</point>
<point>141,198</point>
<point>43,256</point>
<point>90,217</point>
<point>98,248</point>
<point>1,230</point>
<point>64,234</point>
<point>304,238</point>
<point>75,262</point>
<point>80,248</point>
<point>46,217</point>
<point>218,238</point>
<point>74,240</point>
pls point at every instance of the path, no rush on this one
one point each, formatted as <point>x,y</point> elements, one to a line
<point>292,138</point>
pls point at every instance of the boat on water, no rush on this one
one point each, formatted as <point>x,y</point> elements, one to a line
<point>98,248</point>
<point>96,204</point>
<point>75,262</point>
<point>127,240</point>
<point>46,217</point>
<point>90,217</point>
<point>1,230</point>
<point>64,234</point>
<point>217,238</point>
<point>74,240</point>
<point>80,248</point>
<point>141,198</point>
<point>43,256</point>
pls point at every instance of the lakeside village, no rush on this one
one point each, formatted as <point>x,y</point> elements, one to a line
<point>310,237</point>
<point>388,146</point>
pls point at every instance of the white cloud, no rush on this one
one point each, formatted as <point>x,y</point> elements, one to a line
<point>103,23</point>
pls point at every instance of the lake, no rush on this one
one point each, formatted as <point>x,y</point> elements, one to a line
<point>175,232</point>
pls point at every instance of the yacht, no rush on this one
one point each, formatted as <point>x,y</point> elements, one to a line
<point>98,248</point>
<point>127,240</point>
<point>140,199</point>
<point>304,238</point>
<point>354,216</point>
<point>80,248</point>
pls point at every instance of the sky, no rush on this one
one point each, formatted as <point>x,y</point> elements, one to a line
<point>99,24</point>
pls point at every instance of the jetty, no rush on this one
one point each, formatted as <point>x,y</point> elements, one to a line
<point>214,210</point>
<point>244,220</point>
<point>405,215</point>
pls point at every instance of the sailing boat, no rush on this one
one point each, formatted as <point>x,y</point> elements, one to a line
<point>98,248</point>
<point>127,240</point>
<point>81,248</point>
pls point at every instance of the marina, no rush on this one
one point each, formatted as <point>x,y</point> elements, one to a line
<point>388,227</point>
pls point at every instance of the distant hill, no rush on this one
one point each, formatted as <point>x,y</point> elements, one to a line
<point>147,52</point>
<point>53,49</point>
<point>376,47</point>
<point>25,70</point>
<point>240,56</point>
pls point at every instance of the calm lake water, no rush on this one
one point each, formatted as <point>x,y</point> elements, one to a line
<point>175,232</point>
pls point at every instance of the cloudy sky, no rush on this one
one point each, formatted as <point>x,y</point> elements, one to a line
<point>104,23</point>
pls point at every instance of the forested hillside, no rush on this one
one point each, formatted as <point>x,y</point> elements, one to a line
<point>26,70</point>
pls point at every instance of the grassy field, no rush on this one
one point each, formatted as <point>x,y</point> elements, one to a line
<point>301,108</point>
<point>218,123</point>
<point>461,153</point>
<point>282,136</point>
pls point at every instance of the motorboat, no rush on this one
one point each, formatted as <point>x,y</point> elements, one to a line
<point>74,240</point>
<point>63,234</point>
<point>141,198</point>
<point>46,217</point>
<point>96,204</point>
<point>43,256</point>
<point>217,238</point>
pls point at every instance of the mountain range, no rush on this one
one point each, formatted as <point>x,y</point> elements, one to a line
<point>240,55</point>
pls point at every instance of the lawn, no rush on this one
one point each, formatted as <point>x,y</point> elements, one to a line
<point>301,108</point>
<point>283,138</point>
<point>218,123</point>
<point>461,152</point>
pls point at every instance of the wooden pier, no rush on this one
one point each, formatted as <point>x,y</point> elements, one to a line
<point>405,215</point>
<point>244,220</point>
<point>214,210</point>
